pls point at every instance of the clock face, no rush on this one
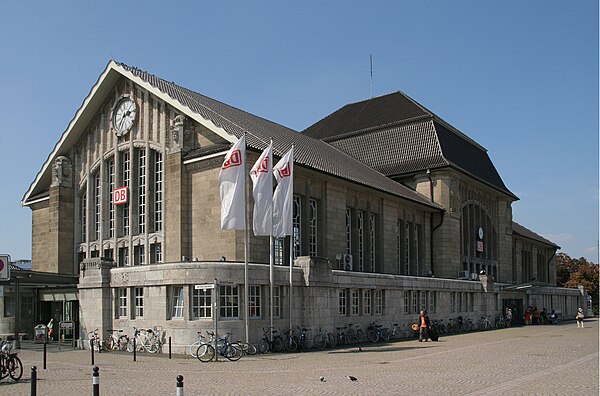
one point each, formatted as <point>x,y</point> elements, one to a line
<point>480,232</point>
<point>124,116</point>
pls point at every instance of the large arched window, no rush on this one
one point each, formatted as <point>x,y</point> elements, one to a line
<point>479,239</point>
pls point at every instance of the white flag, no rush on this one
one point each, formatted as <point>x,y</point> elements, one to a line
<point>284,192</point>
<point>262,190</point>
<point>231,187</point>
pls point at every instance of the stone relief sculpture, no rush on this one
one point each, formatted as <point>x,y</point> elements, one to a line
<point>61,172</point>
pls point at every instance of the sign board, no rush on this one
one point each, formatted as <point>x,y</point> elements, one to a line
<point>204,286</point>
<point>66,325</point>
<point>226,282</point>
<point>4,267</point>
<point>120,196</point>
<point>479,246</point>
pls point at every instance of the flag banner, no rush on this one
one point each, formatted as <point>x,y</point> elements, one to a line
<point>283,209</point>
<point>231,187</point>
<point>262,191</point>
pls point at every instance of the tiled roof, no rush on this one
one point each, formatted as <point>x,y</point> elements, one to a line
<point>527,233</point>
<point>396,135</point>
<point>309,152</point>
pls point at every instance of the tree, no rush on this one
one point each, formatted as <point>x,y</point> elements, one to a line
<point>573,273</point>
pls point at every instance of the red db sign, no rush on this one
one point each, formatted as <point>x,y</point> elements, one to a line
<point>120,196</point>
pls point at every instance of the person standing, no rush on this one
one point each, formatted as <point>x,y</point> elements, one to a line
<point>509,316</point>
<point>423,327</point>
<point>579,318</point>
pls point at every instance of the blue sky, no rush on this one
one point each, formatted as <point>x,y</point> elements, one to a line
<point>519,77</point>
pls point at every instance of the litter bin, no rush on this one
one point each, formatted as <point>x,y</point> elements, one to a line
<point>40,333</point>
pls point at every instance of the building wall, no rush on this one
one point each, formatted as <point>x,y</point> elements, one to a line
<point>41,238</point>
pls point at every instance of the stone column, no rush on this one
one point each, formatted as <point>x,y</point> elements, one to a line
<point>95,296</point>
<point>60,258</point>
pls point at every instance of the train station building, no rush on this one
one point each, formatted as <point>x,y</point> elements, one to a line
<point>395,210</point>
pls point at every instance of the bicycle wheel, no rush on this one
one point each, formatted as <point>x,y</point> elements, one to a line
<point>385,334</point>
<point>109,344</point>
<point>248,349</point>
<point>263,345</point>
<point>291,345</point>
<point>351,337</point>
<point>3,363</point>
<point>205,353</point>
<point>372,335</point>
<point>15,367</point>
<point>319,341</point>
<point>278,344</point>
<point>331,340</point>
<point>233,352</point>
<point>360,336</point>
<point>341,339</point>
<point>123,341</point>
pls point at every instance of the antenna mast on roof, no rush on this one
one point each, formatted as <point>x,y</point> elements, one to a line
<point>371,59</point>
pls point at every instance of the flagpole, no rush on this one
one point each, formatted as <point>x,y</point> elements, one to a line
<point>292,248</point>
<point>246,240</point>
<point>272,253</point>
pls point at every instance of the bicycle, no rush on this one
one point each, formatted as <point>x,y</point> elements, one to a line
<point>394,333</point>
<point>247,348</point>
<point>193,347</point>
<point>355,335</point>
<point>484,323</point>
<point>94,341</point>
<point>302,341</point>
<point>341,336</point>
<point>290,342</point>
<point>324,338</point>
<point>116,342</point>
<point>225,348</point>
<point>265,345</point>
<point>144,340</point>
<point>376,332</point>
<point>10,364</point>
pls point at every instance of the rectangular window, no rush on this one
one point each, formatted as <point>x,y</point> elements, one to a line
<point>361,241</point>
<point>27,306</point>
<point>122,302</point>
<point>378,302</point>
<point>407,249</point>
<point>83,217</point>
<point>125,161</point>
<point>139,253</point>
<point>254,301</point>
<point>312,227</point>
<point>201,303</point>
<point>398,246</point>
<point>123,257</point>
<point>348,231</point>
<point>423,296</point>
<point>156,253</point>
<point>278,250</point>
<point>354,302</point>
<point>416,249</point>
<point>177,302</point>
<point>415,301</point>
<point>142,191</point>
<point>228,302</point>
<point>97,206</point>
<point>367,302</point>
<point>139,301</point>
<point>432,302</point>
<point>452,301</point>
<point>111,187</point>
<point>108,253</point>
<point>342,301</point>
<point>276,302</point>
<point>158,192</point>
<point>297,225</point>
<point>372,242</point>
<point>406,301</point>
<point>459,302</point>
<point>9,306</point>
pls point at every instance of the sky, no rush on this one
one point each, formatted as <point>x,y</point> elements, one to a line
<point>518,77</point>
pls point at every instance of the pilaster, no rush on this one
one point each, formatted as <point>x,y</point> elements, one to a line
<point>95,296</point>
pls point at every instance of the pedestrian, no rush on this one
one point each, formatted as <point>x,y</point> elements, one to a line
<point>423,327</point>
<point>528,316</point>
<point>579,318</point>
<point>544,316</point>
<point>536,316</point>
<point>509,316</point>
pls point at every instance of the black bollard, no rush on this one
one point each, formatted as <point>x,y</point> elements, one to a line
<point>180,385</point>
<point>45,350</point>
<point>34,381</point>
<point>92,351</point>
<point>134,350</point>
<point>96,381</point>
<point>169,347</point>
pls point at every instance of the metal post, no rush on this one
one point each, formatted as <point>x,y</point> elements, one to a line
<point>34,381</point>
<point>169,347</point>
<point>134,350</point>
<point>216,318</point>
<point>45,350</point>
<point>180,385</point>
<point>92,351</point>
<point>96,381</point>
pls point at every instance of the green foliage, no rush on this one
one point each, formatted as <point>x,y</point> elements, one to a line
<point>573,273</point>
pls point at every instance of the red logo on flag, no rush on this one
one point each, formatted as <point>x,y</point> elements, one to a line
<point>264,166</point>
<point>285,172</point>
<point>234,160</point>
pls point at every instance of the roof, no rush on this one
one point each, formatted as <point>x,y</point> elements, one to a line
<point>230,123</point>
<point>396,135</point>
<point>518,229</point>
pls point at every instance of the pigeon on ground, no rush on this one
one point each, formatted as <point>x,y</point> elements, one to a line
<point>322,378</point>
<point>351,378</point>
<point>359,349</point>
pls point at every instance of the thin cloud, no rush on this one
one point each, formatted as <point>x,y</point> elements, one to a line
<point>560,237</point>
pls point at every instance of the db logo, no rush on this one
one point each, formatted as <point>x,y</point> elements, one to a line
<point>120,196</point>
<point>285,171</point>
<point>264,166</point>
<point>234,160</point>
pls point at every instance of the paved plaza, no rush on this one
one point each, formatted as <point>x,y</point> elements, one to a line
<point>534,360</point>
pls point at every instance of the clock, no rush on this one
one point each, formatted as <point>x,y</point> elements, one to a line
<point>480,233</point>
<point>123,116</point>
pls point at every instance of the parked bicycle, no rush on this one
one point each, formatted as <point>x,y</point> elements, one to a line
<point>302,341</point>
<point>145,340</point>
<point>10,364</point>
<point>324,338</point>
<point>289,341</point>
<point>484,323</point>
<point>115,340</point>
<point>394,332</point>
<point>193,347</point>
<point>355,334</point>
<point>94,341</point>
<point>375,332</point>
<point>225,348</point>
<point>265,345</point>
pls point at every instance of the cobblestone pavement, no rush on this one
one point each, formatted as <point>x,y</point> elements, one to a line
<point>534,360</point>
